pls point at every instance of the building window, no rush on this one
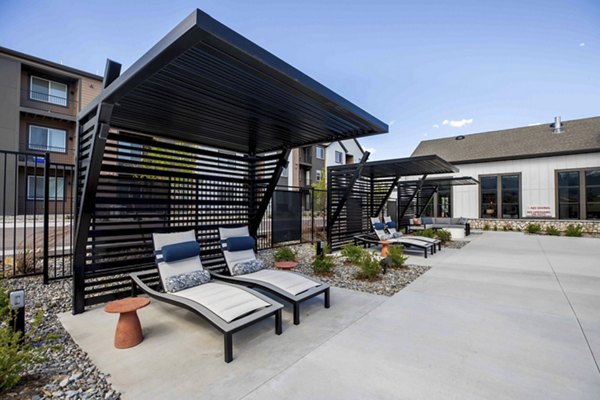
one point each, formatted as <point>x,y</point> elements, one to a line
<point>35,188</point>
<point>443,199</point>
<point>500,196</point>
<point>284,172</point>
<point>320,153</point>
<point>578,194</point>
<point>338,157</point>
<point>307,177</point>
<point>319,175</point>
<point>592,194</point>
<point>568,195</point>
<point>48,91</point>
<point>47,139</point>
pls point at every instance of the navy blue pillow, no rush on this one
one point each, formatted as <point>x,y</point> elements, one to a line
<point>180,251</point>
<point>240,243</point>
<point>391,225</point>
<point>379,226</point>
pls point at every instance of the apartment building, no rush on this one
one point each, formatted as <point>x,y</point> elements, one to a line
<point>39,101</point>
<point>306,164</point>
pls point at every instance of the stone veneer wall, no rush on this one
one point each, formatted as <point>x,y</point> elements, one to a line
<point>521,224</point>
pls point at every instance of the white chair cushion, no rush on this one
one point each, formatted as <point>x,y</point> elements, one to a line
<point>287,281</point>
<point>228,302</point>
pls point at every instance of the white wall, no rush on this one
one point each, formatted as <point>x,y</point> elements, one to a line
<point>537,180</point>
<point>330,154</point>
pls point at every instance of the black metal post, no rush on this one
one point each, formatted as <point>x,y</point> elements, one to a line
<point>46,222</point>
<point>17,304</point>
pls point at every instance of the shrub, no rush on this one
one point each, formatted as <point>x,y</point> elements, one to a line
<point>574,230</point>
<point>396,257</point>
<point>353,253</point>
<point>370,266</point>
<point>444,235</point>
<point>323,265</point>
<point>533,228</point>
<point>17,353</point>
<point>552,231</point>
<point>428,232</point>
<point>495,227</point>
<point>506,228</point>
<point>486,227</point>
<point>285,254</point>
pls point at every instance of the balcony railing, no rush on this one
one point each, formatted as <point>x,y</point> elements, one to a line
<point>305,157</point>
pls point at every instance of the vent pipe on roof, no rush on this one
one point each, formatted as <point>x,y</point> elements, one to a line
<point>557,125</point>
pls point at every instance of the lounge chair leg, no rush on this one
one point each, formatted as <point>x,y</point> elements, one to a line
<point>327,298</point>
<point>133,289</point>
<point>296,314</point>
<point>440,245</point>
<point>228,347</point>
<point>432,247</point>
<point>425,251</point>
<point>278,322</point>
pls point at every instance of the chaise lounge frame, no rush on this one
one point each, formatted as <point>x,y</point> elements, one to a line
<point>139,283</point>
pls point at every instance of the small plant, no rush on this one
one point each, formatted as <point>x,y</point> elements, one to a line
<point>574,230</point>
<point>370,267</point>
<point>518,229</point>
<point>396,257</point>
<point>533,228</point>
<point>495,227</point>
<point>323,265</point>
<point>506,228</point>
<point>430,233</point>
<point>353,253</point>
<point>17,353</point>
<point>486,227</point>
<point>285,254</point>
<point>444,235</point>
<point>552,231</point>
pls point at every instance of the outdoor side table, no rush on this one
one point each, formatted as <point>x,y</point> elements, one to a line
<point>385,247</point>
<point>129,330</point>
<point>286,264</point>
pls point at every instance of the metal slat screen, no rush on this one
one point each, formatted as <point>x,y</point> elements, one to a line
<point>287,216</point>
<point>148,185</point>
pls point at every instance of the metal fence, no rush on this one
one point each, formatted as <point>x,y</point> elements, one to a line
<point>37,211</point>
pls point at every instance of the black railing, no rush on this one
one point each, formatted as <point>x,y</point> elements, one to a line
<point>37,210</point>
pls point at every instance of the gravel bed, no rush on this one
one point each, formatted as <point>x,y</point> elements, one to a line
<point>67,372</point>
<point>344,275</point>
<point>456,244</point>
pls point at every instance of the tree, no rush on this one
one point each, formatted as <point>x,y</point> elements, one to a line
<point>320,196</point>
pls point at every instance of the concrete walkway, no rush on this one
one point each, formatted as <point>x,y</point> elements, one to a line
<point>509,316</point>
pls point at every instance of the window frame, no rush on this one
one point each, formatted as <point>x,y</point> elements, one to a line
<point>499,195</point>
<point>336,157</point>
<point>66,99</point>
<point>48,148</point>
<point>322,149</point>
<point>50,197</point>
<point>582,193</point>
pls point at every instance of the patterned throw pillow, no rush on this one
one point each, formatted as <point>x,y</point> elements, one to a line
<point>248,267</point>
<point>188,280</point>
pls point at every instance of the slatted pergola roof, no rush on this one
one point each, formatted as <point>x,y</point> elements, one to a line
<point>194,135</point>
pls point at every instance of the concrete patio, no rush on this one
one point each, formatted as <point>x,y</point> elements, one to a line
<point>508,316</point>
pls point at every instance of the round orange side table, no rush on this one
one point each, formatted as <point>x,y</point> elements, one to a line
<point>385,247</point>
<point>286,264</point>
<point>129,329</point>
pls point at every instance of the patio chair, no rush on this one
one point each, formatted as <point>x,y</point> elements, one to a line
<point>238,249</point>
<point>391,228</point>
<point>382,235</point>
<point>229,308</point>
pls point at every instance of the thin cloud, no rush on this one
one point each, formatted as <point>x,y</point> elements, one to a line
<point>534,124</point>
<point>458,123</point>
<point>582,44</point>
<point>435,126</point>
<point>392,122</point>
<point>370,150</point>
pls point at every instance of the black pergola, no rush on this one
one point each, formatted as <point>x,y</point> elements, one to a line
<point>194,135</point>
<point>415,195</point>
<point>357,192</point>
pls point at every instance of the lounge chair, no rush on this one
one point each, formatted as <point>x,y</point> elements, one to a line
<point>379,229</point>
<point>238,249</point>
<point>391,228</point>
<point>229,308</point>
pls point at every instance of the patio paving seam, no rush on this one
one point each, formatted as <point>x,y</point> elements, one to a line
<point>570,305</point>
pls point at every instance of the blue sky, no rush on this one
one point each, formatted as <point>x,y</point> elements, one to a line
<point>477,65</point>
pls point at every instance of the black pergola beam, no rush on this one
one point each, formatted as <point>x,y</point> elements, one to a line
<point>412,197</point>
<point>386,197</point>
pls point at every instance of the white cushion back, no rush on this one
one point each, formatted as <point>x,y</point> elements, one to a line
<point>234,257</point>
<point>168,269</point>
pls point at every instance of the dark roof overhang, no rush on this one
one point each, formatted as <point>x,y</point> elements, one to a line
<point>207,84</point>
<point>422,165</point>
<point>442,181</point>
